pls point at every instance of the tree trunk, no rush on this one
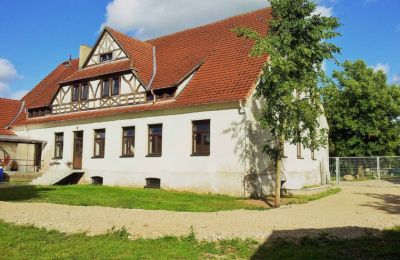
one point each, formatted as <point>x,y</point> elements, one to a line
<point>279,162</point>
<point>277,203</point>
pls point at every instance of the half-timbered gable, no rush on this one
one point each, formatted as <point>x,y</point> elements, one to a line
<point>106,50</point>
<point>104,92</point>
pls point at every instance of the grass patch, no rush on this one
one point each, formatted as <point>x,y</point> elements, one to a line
<point>31,243</point>
<point>118,197</point>
<point>137,198</point>
<point>301,199</point>
<point>24,242</point>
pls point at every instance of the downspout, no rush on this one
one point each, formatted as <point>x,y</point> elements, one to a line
<point>154,75</point>
<point>245,166</point>
<point>18,114</point>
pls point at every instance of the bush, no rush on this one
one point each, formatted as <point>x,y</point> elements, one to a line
<point>14,166</point>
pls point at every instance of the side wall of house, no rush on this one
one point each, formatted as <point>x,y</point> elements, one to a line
<point>236,164</point>
<point>221,172</point>
<point>298,172</point>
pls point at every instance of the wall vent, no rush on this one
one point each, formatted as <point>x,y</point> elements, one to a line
<point>153,183</point>
<point>96,180</point>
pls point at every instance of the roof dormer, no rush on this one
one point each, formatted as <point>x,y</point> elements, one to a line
<point>105,50</point>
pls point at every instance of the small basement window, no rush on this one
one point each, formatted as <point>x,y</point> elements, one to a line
<point>96,180</point>
<point>106,57</point>
<point>153,183</point>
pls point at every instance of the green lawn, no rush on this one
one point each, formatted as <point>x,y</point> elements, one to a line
<point>31,243</point>
<point>118,197</point>
<point>136,198</point>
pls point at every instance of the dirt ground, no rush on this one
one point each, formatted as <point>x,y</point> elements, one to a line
<point>360,209</point>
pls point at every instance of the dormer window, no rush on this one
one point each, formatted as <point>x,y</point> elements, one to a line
<point>85,91</point>
<point>75,93</point>
<point>106,57</point>
<point>111,87</point>
<point>115,87</point>
<point>106,88</point>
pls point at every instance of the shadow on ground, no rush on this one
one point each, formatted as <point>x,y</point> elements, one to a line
<point>333,243</point>
<point>387,202</point>
<point>14,193</point>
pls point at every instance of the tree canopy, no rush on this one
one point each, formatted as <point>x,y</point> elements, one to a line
<point>296,44</point>
<point>363,112</point>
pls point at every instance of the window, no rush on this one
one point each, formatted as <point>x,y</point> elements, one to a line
<point>128,141</point>
<point>313,157</point>
<point>106,57</point>
<point>115,87</point>
<point>106,88</point>
<point>299,151</point>
<point>85,91</point>
<point>155,140</point>
<point>75,93</point>
<point>201,137</point>
<point>99,143</point>
<point>59,146</point>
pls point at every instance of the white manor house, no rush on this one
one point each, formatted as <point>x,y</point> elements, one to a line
<point>176,111</point>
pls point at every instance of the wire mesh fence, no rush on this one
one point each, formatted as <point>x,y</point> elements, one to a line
<point>363,168</point>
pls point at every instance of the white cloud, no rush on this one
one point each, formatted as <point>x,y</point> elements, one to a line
<point>383,67</point>
<point>396,78</point>
<point>324,11</point>
<point>8,73</point>
<point>150,18</point>
<point>323,66</point>
<point>19,94</point>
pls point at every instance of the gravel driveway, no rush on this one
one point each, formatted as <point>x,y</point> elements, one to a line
<point>361,208</point>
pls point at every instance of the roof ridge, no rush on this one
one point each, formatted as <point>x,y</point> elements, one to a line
<point>10,99</point>
<point>209,24</point>
<point>112,30</point>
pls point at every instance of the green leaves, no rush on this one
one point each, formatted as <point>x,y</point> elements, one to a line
<point>297,44</point>
<point>363,112</point>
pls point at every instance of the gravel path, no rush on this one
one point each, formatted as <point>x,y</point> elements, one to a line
<point>361,208</point>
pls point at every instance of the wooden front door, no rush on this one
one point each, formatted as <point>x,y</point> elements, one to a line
<point>78,148</point>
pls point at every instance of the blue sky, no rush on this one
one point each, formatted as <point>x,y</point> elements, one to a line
<point>38,35</point>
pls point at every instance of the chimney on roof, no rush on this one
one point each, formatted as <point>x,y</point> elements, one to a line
<point>84,51</point>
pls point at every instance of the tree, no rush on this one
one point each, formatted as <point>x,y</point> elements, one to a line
<point>296,45</point>
<point>363,112</point>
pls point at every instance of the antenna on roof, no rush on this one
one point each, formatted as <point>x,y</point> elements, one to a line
<point>68,62</point>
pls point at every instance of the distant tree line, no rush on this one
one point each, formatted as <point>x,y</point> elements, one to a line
<point>363,112</point>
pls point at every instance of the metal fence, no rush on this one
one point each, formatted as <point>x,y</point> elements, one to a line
<point>23,165</point>
<point>363,168</point>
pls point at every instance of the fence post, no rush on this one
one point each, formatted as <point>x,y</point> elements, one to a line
<point>337,171</point>
<point>378,167</point>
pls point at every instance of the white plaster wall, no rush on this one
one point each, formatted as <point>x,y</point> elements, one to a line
<point>221,172</point>
<point>298,172</point>
<point>236,165</point>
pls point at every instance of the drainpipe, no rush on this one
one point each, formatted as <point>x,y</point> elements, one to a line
<point>243,108</point>
<point>154,75</point>
<point>154,96</point>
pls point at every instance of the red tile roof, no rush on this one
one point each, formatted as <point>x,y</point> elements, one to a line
<point>102,69</point>
<point>43,93</point>
<point>9,109</point>
<point>140,53</point>
<point>227,72</point>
